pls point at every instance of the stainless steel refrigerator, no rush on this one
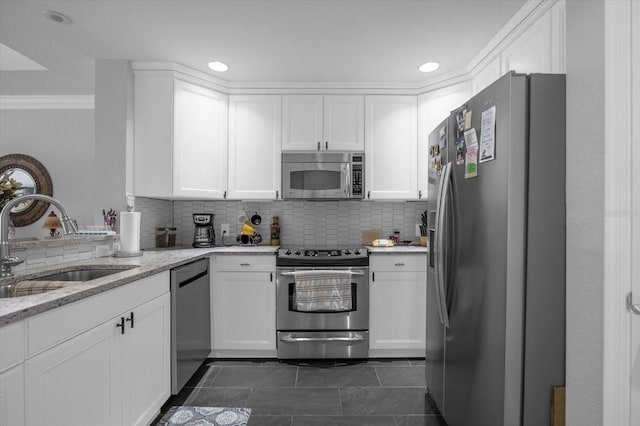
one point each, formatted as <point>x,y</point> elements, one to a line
<point>495,343</point>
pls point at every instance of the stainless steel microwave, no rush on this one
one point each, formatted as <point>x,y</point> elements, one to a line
<point>323,175</point>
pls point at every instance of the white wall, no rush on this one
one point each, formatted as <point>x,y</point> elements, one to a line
<point>113,133</point>
<point>63,141</point>
<point>585,211</point>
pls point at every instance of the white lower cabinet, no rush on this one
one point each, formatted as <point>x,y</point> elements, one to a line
<point>244,306</point>
<point>113,373</point>
<point>77,382</point>
<point>147,363</point>
<point>397,305</point>
<point>12,374</point>
<point>12,397</point>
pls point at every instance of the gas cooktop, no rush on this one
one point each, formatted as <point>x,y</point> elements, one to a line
<point>354,252</point>
<point>305,256</point>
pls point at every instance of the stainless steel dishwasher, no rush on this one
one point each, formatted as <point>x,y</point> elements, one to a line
<point>190,321</point>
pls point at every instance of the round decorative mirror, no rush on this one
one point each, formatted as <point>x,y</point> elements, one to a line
<point>34,178</point>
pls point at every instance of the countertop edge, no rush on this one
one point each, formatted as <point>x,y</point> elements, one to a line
<point>14,309</point>
<point>398,250</point>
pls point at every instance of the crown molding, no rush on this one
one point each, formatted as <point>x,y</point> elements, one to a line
<point>524,18</point>
<point>47,102</point>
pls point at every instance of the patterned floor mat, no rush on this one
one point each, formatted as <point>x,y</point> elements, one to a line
<point>205,416</point>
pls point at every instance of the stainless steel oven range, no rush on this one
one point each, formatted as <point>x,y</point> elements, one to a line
<point>322,303</point>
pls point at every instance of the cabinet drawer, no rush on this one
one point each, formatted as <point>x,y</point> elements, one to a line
<point>57,325</point>
<point>399,262</point>
<point>236,263</point>
<point>11,345</point>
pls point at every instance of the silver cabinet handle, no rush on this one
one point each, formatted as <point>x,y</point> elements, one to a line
<point>399,264</point>
<point>318,145</point>
<point>631,307</point>
<point>245,264</point>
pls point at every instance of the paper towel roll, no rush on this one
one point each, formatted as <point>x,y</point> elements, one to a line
<point>129,232</point>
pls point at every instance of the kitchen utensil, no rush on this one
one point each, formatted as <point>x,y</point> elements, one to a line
<point>247,230</point>
<point>256,219</point>
<point>245,239</point>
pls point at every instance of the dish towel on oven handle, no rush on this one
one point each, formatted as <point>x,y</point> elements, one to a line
<point>323,290</point>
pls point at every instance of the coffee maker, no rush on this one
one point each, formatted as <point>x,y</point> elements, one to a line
<point>203,234</point>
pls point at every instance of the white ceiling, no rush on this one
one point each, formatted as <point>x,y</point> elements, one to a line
<point>263,41</point>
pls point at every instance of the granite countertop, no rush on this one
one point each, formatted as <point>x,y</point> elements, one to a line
<point>150,263</point>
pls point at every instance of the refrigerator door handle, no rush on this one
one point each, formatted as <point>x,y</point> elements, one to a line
<point>438,254</point>
<point>631,307</point>
<point>442,299</point>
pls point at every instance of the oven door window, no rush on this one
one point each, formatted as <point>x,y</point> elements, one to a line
<point>293,302</point>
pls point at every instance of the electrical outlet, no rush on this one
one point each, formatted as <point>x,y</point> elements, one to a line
<point>418,230</point>
<point>224,229</point>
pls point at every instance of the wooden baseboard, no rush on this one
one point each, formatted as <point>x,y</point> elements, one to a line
<point>558,406</point>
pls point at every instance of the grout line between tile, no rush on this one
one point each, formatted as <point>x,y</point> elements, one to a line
<point>378,376</point>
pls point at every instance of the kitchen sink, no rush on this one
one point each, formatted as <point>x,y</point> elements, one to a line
<point>72,276</point>
<point>80,274</point>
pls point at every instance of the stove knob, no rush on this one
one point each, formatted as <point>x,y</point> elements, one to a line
<point>356,251</point>
<point>347,252</point>
<point>288,252</point>
<point>313,253</point>
<point>297,253</point>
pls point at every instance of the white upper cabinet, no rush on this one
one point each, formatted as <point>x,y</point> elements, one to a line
<point>180,143</point>
<point>391,142</point>
<point>433,107</point>
<point>255,132</point>
<point>323,123</point>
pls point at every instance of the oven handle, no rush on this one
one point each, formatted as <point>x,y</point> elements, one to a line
<point>294,272</point>
<point>355,338</point>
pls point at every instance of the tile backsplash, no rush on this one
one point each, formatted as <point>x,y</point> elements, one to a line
<point>302,223</point>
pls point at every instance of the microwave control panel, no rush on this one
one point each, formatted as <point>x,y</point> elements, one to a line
<point>357,165</point>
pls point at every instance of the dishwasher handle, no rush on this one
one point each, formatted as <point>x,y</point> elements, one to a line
<point>192,279</point>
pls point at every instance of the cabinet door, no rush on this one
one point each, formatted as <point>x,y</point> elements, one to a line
<point>391,147</point>
<point>433,107</point>
<point>254,147</point>
<point>343,128</point>
<point>199,142</point>
<point>244,313</point>
<point>302,122</point>
<point>153,136</point>
<point>397,306</point>
<point>12,397</point>
<point>77,382</point>
<point>146,363</point>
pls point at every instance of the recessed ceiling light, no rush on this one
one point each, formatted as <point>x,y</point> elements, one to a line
<point>218,66</point>
<point>429,66</point>
<point>56,17</point>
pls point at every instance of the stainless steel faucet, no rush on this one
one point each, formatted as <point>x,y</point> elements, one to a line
<point>6,260</point>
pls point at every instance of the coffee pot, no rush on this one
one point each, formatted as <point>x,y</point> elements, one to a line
<point>203,234</point>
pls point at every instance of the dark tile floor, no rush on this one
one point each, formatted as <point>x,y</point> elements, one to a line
<point>374,392</point>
